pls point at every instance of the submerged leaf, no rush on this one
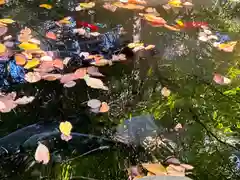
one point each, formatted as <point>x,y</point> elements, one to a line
<point>65,128</point>
<point>42,154</point>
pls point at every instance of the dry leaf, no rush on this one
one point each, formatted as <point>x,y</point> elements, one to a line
<point>42,154</point>
<point>165,92</point>
<point>80,73</point>
<point>24,100</point>
<point>157,169</point>
<point>104,107</point>
<point>95,83</point>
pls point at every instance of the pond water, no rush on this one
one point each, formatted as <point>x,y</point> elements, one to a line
<point>207,111</point>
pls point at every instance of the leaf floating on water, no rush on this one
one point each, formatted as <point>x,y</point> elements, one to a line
<point>80,73</point>
<point>51,35</point>
<point>7,21</point>
<point>219,79</point>
<point>66,138</point>
<point>175,3</point>
<point>51,77</point>
<point>65,128</point>
<point>46,6</point>
<point>104,107</point>
<point>2,2</point>
<point>94,103</point>
<point>157,169</point>
<point>187,166</point>
<point>3,30</point>
<point>2,48</point>
<point>32,77</point>
<point>165,92</point>
<point>110,7</point>
<point>20,59</point>
<point>95,83</point>
<point>93,71</point>
<point>175,170</point>
<point>42,154</point>
<point>83,6</point>
<point>69,84</point>
<point>128,6</point>
<point>149,47</point>
<point>68,77</point>
<point>32,63</point>
<point>172,160</point>
<point>227,47</point>
<point>9,44</point>
<point>46,58</point>
<point>58,63</point>
<point>29,46</point>
<point>24,100</point>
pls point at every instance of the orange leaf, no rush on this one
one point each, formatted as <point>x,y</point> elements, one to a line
<point>58,63</point>
<point>2,2</point>
<point>104,107</point>
<point>51,35</point>
<point>20,59</point>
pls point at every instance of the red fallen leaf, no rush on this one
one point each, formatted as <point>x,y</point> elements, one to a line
<point>68,77</point>
<point>92,27</point>
<point>58,63</point>
<point>51,35</point>
<point>93,71</point>
<point>80,73</point>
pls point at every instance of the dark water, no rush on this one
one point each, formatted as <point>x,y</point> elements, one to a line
<point>183,65</point>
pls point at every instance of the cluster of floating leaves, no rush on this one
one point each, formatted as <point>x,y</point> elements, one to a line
<point>172,167</point>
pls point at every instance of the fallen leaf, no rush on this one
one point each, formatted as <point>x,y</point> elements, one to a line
<point>157,169</point>
<point>7,21</point>
<point>95,83</point>
<point>32,77</point>
<point>3,30</point>
<point>32,63</point>
<point>80,73</point>
<point>102,62</point>
<point>149,47</point>
<point>227,47</point>
<point>51,35</point>
<point>66,138</point>
<point>58,63</point>
<point>165,92</point>
<point>67,78</point>
<point>51,77</point>
<point>28,46</point>
<point>93,71</point>
<point>128,6</point>
<point>2,48</point>
<point>110,7</point>
<point>24,100</point>
<point>172,160</point>
<point>187,166</point>
<point>65,128</point>
<point>175,3</point>
<point>42,154</point>
<point>104,107</point>
<point>2,2</point>
<point>219,79</point>
<point>94,103</point>
<point>46,6</point>
<point>46,58</point>
<point>69,84</point>
<point>178,127</point>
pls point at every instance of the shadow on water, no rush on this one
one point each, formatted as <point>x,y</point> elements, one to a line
<point>182,64</point>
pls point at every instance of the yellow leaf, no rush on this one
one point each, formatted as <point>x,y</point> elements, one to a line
<point>2,48</point>
<point>28,46</point>
<point>133,45</point>
<point>175,3</point>
<point>7,21</point>
<point>47,6</point>
<point>33,63</point>
<point>2,2</point>
<point>65,128</point>
<point>180,23</point>
<point>87,5</point>
<point>156,169</point>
